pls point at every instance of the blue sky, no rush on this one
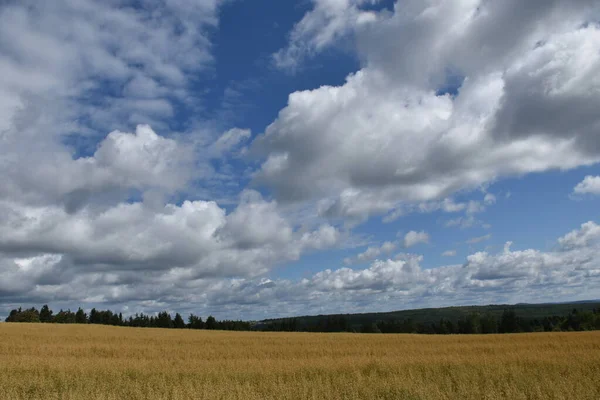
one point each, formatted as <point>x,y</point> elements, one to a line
<point>253,159</point>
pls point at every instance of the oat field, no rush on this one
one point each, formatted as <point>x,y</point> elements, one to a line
<point>43,361</point>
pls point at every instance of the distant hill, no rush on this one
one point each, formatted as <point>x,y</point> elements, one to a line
<point>434,315</point>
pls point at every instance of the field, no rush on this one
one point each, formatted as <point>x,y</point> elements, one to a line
<point>45,361</point>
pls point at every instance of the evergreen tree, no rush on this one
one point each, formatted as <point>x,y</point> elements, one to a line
<point>178,322</point>
<point>12,316</point>
<point>195,322</point>
<point>94,317</point>
<point>163,320</point>
<point>211,322</point>
<point>65,317</point>
<point>489,324</point>
<point>509,322</point>
<point>45,314</point>
<point>80,316</point>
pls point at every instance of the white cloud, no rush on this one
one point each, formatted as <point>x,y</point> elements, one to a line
<point>589,185</point>
<point>230,140</point>
<point>474,207</point>
<point>413,238</point>
<point>463,222</point>
<point>99,218</point>
<point>489,199</point>
<point>506,277</point>
<point>449,253</point>
<point>447,205</point>
<point>371,253</point>
<point>75,70</point>
<point>142,161</point>
<point>479,239</point>
<point>588,233</point>
<point>130,60</point>
<point>566,273</point>
<point>95,217</point>
<point>387,137</point>
<point>197,236</point>
<point>328,22</point>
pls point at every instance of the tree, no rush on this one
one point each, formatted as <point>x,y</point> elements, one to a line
<point>370,328</point>
<point>29,315</point>
<point>45,314</point>
<point>20,315</point>
<point>163,320</point>
<point>489,324</point>
<point>178,322</point>
<point>211,322</point>
<point>12,316</point>
<point>509,322</point>
<point>65,317</point>
<point>195,322</point>
<point>115,320</point>
<point>80,317</point>
<point>94,317</point>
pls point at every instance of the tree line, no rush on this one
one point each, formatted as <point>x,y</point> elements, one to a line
<point>472,323</point>
<point>106,317</point>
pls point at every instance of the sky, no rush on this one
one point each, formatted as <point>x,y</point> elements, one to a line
<point>252,158</point>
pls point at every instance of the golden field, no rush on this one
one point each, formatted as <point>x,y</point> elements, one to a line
<point>43,361</point>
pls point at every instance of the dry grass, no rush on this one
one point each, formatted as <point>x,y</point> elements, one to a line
<point>96,362</point>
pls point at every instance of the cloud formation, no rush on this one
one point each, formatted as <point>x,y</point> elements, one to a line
<point>589,185</point>
<point>413,238</point>
<point>114,189</point>
<point>571,271</point>
<point>328,22</point>
<point>371,253</point>
<point>92,212</point>
<point>452,95</point>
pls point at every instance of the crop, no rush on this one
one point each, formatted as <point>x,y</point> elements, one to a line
<point>50,361</point>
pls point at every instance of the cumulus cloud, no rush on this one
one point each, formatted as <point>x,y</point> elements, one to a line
<point>133,254</point>
<point>570,271</point>
<point>97,168</point>
<point>141,161</point>
<point>392,134</point>
<point>449,253</point>
<point>74,71</point>
<point>588,233</point>
<point>90,216</point>
<point>56,57</point>
<point>413,238</point>
<point>197,235</point>
<point>371,253</point>
<point>505,277</point>
<point>589,185</point>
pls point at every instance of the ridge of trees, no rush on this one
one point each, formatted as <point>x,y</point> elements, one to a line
<point>106,317</point>
<point>473,323</point>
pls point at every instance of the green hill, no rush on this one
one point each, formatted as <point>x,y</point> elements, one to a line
<point>427,316</point>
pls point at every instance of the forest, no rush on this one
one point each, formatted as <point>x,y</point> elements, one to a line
<point>106,317</point>
<point>455,320</point>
